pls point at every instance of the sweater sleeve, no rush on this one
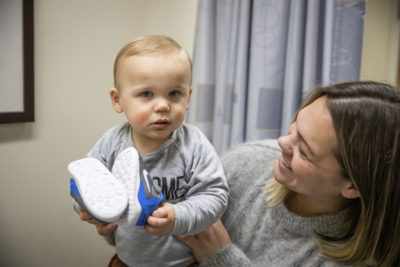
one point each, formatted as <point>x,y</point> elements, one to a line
<point>230,255</point>
<point>247,167</point>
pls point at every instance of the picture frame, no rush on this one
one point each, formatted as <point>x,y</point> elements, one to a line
<point>16,61</point>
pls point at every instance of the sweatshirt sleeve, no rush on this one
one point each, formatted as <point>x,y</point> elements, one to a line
<point>207,197</point>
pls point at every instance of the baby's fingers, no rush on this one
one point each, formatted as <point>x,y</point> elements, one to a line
<point>84,216</point>
<point>106,229</point>
<point>161,211</point>
<point>156,222</point>
<point>154,230</point>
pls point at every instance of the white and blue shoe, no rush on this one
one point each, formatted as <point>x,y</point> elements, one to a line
<point>126,194</point>
<point>144,196</point>
<point>96,190</point>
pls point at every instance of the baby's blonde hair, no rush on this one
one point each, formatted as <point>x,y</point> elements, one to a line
<point>156,45</point>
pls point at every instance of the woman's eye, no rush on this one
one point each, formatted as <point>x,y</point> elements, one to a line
<point>302,152</point>
<point>146,94</point>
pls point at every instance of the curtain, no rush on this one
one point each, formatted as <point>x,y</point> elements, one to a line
<point>255,60</point>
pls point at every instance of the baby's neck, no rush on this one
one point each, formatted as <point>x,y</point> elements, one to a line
<point>145,145</point>
<point>146,148</point>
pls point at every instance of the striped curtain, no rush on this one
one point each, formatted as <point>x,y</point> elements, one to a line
<point>255,60</point>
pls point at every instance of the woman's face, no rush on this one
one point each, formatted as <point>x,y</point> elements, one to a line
<point>307,165</point>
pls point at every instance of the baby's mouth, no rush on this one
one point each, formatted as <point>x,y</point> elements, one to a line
<point>161,122</point>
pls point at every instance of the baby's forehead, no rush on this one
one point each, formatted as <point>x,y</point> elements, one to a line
<point>150,66</point>
<point>178,56</point>
<point>180,61</point>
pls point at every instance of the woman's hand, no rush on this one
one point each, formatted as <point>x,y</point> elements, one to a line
<point>103,229</point>
<point>205,244</point>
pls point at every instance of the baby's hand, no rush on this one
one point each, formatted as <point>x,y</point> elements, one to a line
<point>103,229</point>
<point>162,221</point>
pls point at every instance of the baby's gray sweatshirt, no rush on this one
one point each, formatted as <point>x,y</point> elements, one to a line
<point>190,174</point>
<point>264,236</point>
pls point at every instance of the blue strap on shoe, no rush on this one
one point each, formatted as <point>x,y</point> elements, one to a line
<point>148,205</point>
<point>73,189</point>
<point>149,196</point>
<point>74,192</point>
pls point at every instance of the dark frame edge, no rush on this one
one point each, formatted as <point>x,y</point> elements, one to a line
<point>28,115</point>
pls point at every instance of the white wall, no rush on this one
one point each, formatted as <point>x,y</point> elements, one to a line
<point>380,55</point>
<point>75,45</point>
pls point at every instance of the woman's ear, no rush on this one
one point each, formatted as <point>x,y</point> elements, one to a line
<point>350,191</point>
<point>115,100</point>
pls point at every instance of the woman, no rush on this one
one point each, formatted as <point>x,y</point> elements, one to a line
<point>335,196</point>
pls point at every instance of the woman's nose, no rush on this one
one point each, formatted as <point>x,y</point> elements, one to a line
<point>286,143</point>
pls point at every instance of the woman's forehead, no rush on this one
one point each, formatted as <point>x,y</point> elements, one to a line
<point>314,123</point>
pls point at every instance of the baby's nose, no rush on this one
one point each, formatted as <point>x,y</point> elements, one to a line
<point>162,105</point>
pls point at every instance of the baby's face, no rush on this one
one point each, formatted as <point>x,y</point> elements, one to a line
<point>154,94</point>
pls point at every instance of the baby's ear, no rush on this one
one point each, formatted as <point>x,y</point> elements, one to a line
<point>188,102</point>
<point>114,94</point>
<point>350,191</point>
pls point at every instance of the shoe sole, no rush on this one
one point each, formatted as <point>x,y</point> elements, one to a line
<point>126,171</point>
<point>96,190</point>
<point>143,199</point>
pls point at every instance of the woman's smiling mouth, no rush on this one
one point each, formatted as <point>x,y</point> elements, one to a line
<point>284,163</point>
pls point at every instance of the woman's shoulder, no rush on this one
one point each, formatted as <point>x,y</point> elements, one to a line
<point>265,150</point>
<point>250,163</point>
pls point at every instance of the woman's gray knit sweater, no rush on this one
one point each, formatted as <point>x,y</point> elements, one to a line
<point>264,236</point>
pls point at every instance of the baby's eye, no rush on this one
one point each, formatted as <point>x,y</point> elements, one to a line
<point>146,94</point>
<point>175,93</point>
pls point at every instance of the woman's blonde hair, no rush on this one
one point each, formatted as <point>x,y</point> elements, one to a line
<point>156,45</point>
<point>366,118</point>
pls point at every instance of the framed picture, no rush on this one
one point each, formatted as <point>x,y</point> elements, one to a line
<point>16,61</point>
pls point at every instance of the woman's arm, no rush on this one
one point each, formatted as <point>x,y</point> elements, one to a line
<point>213,247</point>
<point>247,167</point>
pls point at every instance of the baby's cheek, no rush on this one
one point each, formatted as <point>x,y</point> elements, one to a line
<point>180,114</point>
<point>179,119</point>
<point>139,117</point>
